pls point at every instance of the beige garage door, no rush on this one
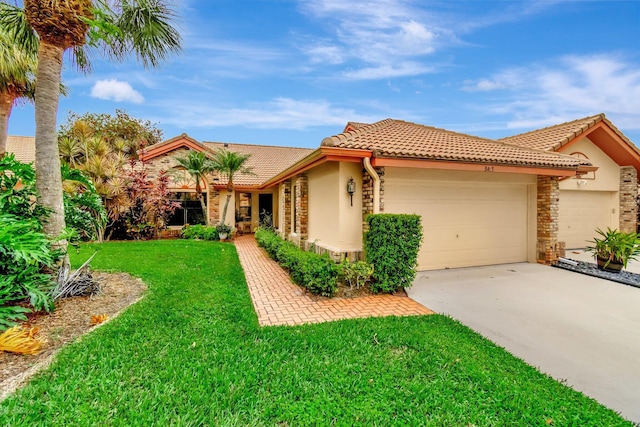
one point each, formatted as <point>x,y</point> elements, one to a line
<point>465,224</point>
<point>581,212</point>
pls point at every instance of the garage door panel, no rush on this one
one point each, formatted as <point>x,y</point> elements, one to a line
<point>465,224</point>
<point>582,212</point>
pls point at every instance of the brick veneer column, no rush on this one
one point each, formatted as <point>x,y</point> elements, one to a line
<point>548,249</point>
<point>285,196</point>
<point>367,195</point>
<point>628,199</point>
<point>302,207</point>
<point>213,204</point>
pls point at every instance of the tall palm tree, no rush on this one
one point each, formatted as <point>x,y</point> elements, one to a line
<point>198,166</point>
<point>17,67</point>
<point>229,164</point>
<point>139,26</point>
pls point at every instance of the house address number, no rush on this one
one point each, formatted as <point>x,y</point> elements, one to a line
<point>488,168</point>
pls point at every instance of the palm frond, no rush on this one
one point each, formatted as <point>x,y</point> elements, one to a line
<point>146,28</point>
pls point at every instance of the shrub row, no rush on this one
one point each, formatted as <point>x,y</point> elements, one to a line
<point>199,231</point>
<point>391,245</point>
<point>317,273</point>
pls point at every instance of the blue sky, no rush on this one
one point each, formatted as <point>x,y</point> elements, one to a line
<point>293,72</point>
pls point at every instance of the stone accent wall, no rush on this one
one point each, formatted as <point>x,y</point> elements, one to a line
<point>302,207</point>
<point>367,195</point>
<point>548,249</point>
<point>183,182</point>
<point>285,197</point>
<point>628,199</point>
<point>213,205</point>
<point>164,162</point>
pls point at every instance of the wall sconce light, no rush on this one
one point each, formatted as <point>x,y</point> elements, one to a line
<point>351,188</point>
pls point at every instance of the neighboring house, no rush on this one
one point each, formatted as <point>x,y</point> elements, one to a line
<point>251,200</point>
<point>599,199</point>
<point>482,201</point>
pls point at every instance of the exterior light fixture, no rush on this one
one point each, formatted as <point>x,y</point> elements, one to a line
<point>351,188</point>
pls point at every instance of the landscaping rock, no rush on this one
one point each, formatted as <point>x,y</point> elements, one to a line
<point>591,269</point>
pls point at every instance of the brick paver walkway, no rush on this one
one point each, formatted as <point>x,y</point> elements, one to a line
<point>278,301</point>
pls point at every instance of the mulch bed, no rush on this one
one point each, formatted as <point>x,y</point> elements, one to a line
<point>591,269</point>
<point>71,319</point>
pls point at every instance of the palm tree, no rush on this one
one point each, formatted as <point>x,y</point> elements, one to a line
<point>139,26</point>
<point>198,166</point>
<point>17,67</point>
<point>230,163</point>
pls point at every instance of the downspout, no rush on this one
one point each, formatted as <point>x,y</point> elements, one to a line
<point>376,184</point>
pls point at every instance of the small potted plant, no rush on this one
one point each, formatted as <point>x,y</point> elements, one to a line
<point>223,231</point>
<point>613,249</point>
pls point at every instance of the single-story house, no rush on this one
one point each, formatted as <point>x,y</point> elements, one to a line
<point>482,201</point>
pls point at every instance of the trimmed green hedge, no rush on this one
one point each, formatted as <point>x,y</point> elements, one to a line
<point>199,231</point>
<point>317,273</point>
<point>391,245</point>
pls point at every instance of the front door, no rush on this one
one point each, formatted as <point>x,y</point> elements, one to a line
<point>265,208</point>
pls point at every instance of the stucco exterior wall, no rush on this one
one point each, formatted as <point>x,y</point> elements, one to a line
<point>335,224</point>
<point>607,177</point>
<point>324,204</point>
<point>350,216</point>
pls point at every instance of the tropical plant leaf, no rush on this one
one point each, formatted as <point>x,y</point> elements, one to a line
<point>18,340</point>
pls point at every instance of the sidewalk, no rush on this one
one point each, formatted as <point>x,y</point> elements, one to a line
<point>278,301</point>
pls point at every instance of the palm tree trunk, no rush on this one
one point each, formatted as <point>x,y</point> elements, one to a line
<point>6,103</point>
<point>204,210</point>
<point>226,205</point>
<point>48,177</point>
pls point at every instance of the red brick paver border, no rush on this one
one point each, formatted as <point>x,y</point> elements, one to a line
<point>278,301</point>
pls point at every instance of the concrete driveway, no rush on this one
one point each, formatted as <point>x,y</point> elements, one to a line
<point>576,328</point>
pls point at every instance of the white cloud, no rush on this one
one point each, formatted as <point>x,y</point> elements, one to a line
<point>573,87</point>
<point>116,90</point>
<point>387,71</point>
<point>482,85</point>
<point>325,54</point>
<point>375,35</point>
<point>231,59</point>
<point>279,113</point>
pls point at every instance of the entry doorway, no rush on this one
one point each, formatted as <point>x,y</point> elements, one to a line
<point>265,209</point>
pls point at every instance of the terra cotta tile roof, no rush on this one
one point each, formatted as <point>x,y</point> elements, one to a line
<point>266,160</point>
<point>553,137</point>
<point>24,147</point>
<point>400,139</point>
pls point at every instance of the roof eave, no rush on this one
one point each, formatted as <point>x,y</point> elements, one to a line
<point>622,151</point>
<point>317,157</point>
<point>475,166</point>
<point>169,145</point>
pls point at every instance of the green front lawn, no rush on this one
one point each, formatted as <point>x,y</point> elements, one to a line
<point>191,353</point>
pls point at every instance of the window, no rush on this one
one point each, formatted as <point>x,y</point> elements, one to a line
<point>243,214</point>
<point>190,210</point>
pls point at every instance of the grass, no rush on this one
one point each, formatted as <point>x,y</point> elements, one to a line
<point>191,353</point>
